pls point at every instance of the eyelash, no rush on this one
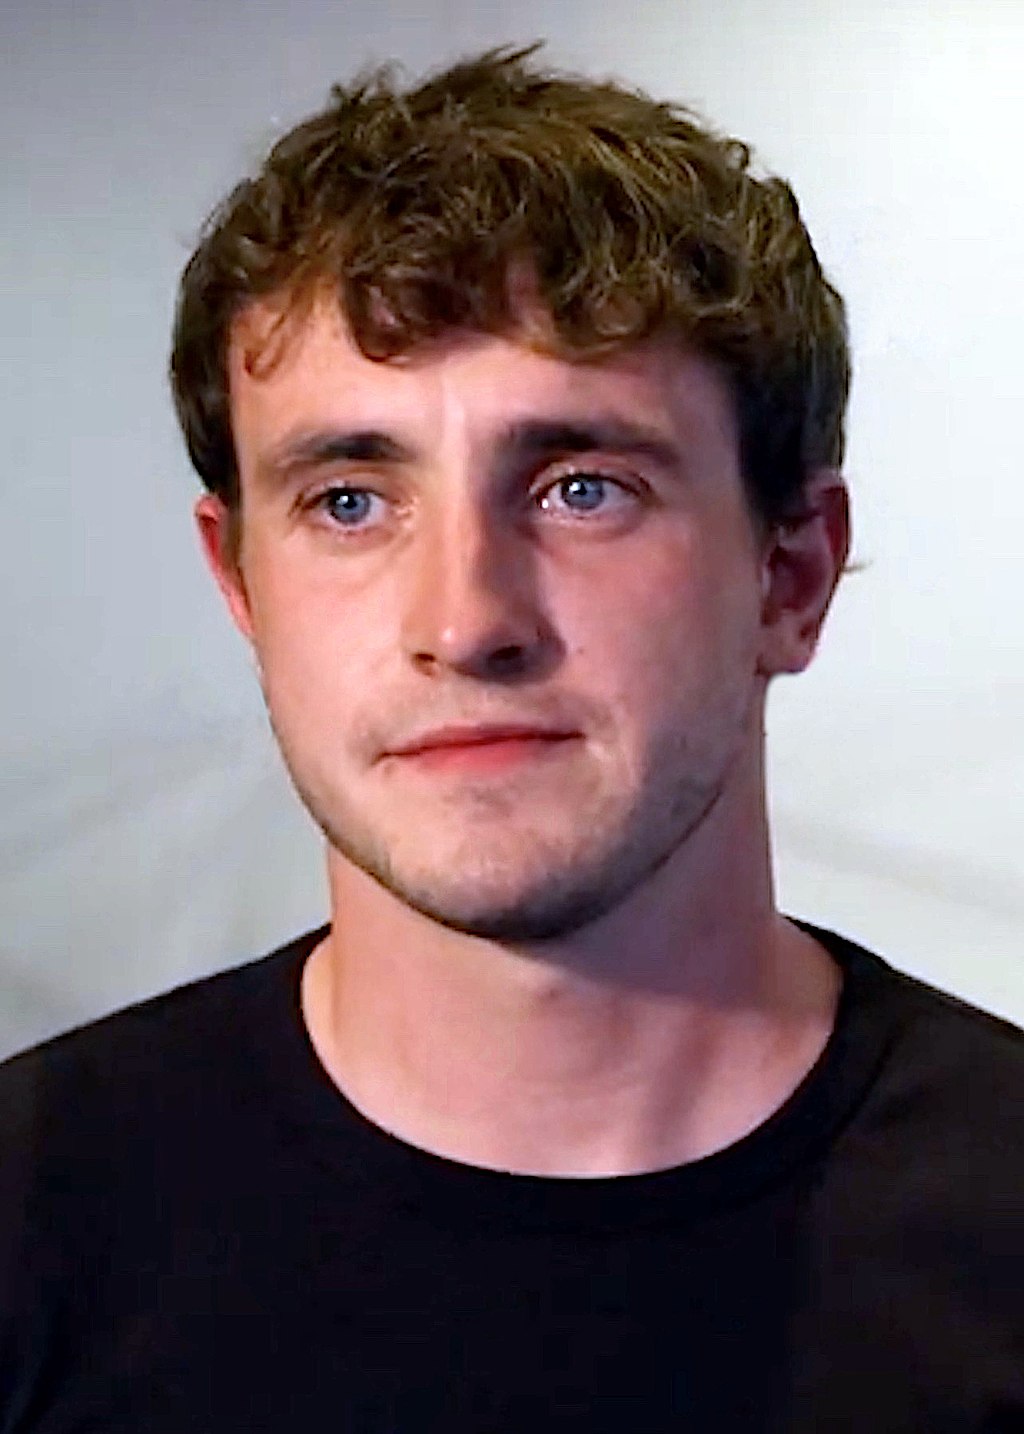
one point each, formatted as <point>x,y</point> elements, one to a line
<point>629,489</point>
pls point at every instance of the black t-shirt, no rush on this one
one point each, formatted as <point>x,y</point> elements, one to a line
<point>198,1232</point>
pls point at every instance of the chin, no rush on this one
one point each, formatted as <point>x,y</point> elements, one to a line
<point>527,919</point>
<point>548,899</point>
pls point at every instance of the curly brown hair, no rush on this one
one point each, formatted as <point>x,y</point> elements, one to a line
<point>415,204</point>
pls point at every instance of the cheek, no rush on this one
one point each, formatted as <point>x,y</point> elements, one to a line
<point>674,616</point>
<point>312,640</point>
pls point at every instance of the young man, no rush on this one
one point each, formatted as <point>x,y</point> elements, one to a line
<point>519,402</point>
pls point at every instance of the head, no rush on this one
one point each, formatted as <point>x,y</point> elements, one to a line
<point>500,257</point>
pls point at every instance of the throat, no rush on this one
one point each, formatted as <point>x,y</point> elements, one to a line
<point>570,1080</point>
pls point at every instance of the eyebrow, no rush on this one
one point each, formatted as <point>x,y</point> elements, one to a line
<point>323,446</point>
<point>527,440</point>
<point>541,438</point>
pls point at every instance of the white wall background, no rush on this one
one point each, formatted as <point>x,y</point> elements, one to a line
<point>146,832</point>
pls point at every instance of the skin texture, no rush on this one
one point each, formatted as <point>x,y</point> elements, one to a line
<point>535,937</point>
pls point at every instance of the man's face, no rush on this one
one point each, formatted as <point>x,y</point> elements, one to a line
<point>508,612</point>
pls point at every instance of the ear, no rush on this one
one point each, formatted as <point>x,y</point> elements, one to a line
<point>802,563</point>
<point>220,538</point>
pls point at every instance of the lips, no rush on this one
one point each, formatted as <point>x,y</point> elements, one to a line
<point>455,739</point>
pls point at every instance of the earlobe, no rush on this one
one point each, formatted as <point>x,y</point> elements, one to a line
<point>218,537</point>
<point>803,562</point>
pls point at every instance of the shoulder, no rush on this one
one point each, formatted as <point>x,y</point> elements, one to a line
<point>915,1206</point>
<point>122,1144</point>
<point>950,1028</point>
<point>943,1037</point>
<point>175,1048</point>
<point>944,1105</point>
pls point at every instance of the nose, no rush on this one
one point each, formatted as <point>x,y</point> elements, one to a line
<point>473,605</point>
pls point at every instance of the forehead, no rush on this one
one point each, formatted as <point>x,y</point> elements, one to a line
<point>293,368</point>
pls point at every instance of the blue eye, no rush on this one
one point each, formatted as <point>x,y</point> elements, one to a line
<point>578,494</point>
<point>349,507</point>
<point>582,492</point>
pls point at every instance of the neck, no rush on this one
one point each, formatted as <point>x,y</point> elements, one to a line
<point>664,1031</point>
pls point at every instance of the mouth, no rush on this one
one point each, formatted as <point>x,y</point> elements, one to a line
<point>482,749</point>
